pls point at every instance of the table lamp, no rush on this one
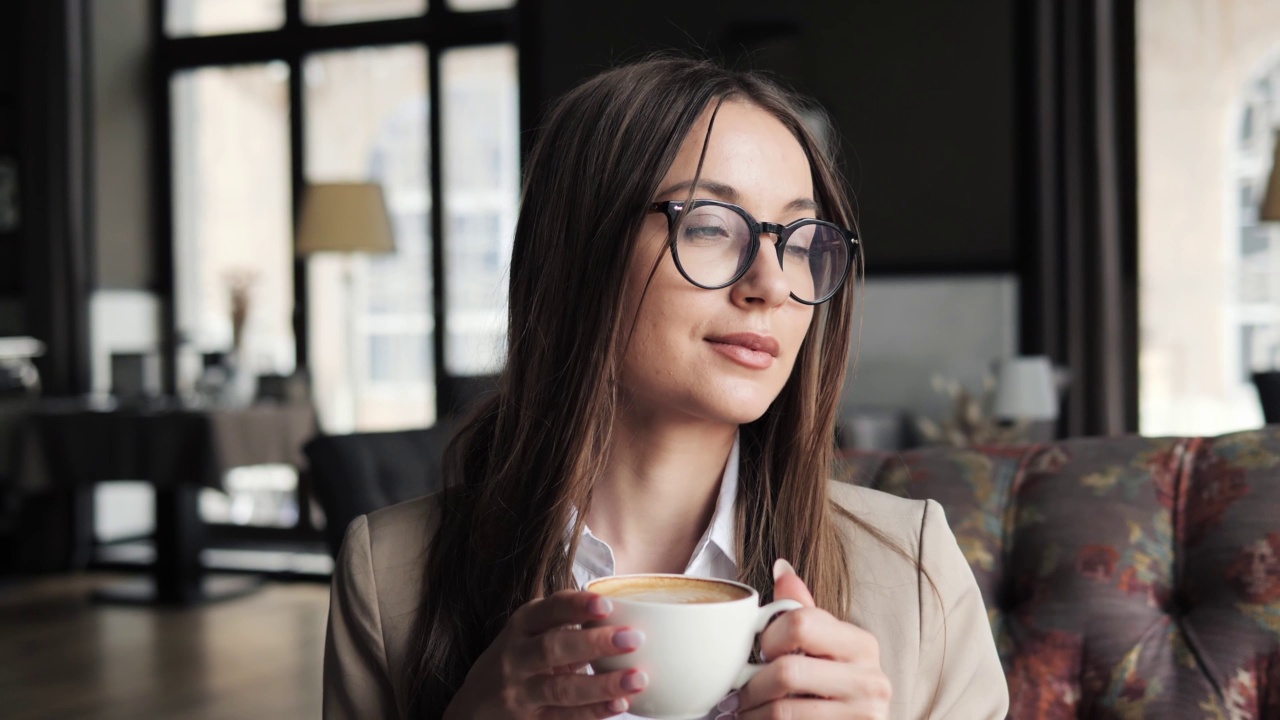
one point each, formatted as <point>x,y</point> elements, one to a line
<point>1025,389</point>
<point>345,218</point>
<point>1027,395</point>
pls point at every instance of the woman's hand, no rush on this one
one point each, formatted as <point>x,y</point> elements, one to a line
<point>819,667</point>
<point>533,668</point>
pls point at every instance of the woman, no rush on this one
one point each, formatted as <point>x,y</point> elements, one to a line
<point>679,327</point>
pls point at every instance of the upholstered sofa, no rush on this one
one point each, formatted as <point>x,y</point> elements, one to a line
<point>1125,577</point>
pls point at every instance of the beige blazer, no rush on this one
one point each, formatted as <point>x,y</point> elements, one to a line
<point>377,586</point>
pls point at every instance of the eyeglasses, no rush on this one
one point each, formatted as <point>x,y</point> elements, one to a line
<point>716,242</point>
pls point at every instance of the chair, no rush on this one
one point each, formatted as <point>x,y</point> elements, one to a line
<point>357,474</point>
<point>459,393</point>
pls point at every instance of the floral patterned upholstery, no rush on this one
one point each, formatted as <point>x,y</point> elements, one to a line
<point>1124,577</point>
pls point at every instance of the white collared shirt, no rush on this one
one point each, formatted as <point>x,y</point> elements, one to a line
<point>713,556</point>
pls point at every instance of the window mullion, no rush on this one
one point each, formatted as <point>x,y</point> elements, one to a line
<point>162,214</point>
<point>436,230</point>
<point>297,174</point>
<point>292,15</point>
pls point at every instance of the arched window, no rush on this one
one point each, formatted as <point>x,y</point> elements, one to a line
<point>1254,300</point>
<point>1209,272</point>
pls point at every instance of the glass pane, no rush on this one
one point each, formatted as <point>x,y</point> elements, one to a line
<point>218,17</point>
<point>472,5</point>
<point>232,213</point>
<point>1209,269</point>
<point>482,191</point>
<point>370,315</point>
<point>332,12</point>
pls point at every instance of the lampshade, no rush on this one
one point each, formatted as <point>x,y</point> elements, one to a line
<point>1025,389</point>
<point>20,348</point>
<point>344,217</point>
<point>1270,208</point>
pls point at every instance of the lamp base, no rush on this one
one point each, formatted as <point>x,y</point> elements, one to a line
<point>1042,431</point>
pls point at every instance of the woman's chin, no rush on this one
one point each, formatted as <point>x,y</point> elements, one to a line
<point>739,408</point>
<point>729,403</point>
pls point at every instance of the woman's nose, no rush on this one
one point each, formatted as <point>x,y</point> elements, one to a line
<point>764,282</point>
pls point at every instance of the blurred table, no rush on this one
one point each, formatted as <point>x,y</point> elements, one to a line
<point>72,444</point>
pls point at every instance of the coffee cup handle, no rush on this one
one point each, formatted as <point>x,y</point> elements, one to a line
<point>766,613</point>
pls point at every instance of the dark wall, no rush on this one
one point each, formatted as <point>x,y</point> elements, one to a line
<point>12,258</point>
<point>922,92</point>
<point>54,159</point>
<point>121,206</point>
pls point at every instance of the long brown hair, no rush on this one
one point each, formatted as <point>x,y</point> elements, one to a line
<point>529,456</point>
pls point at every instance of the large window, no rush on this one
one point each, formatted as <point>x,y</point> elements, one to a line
<point>1208,114</point>
<point>1255,309</point>
<point>267,96</point>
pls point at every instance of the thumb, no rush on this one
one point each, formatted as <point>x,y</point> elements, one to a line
<point>788,585</point>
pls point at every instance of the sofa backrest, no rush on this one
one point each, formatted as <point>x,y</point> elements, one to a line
<point>1124,577</point>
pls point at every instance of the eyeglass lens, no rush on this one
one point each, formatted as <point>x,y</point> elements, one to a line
<point>713,245</point>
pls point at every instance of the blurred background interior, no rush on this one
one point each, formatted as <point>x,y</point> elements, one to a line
<point>253,265</point>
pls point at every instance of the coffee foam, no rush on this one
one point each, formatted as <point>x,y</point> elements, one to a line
<point>672,590</point>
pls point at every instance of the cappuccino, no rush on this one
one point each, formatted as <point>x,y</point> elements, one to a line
<point>672,590</point>
<point>697,638</point>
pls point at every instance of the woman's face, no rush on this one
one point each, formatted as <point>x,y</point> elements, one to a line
<point>719,355</point>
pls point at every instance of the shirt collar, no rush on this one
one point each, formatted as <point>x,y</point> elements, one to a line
<point>721,530</point>
<point>596,557</point>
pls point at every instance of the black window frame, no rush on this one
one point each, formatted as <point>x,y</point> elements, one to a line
<point>439,30</point>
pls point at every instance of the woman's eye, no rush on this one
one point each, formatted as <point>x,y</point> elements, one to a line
<point>797,252</point>
<point>705,232</point>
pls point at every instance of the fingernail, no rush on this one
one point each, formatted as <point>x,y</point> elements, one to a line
<point>727,716</point>
<point>636,680</point>
<point>600,606</point>
<point>781,567</point>
<point>729,703</point>
<point>628,639</point>
<point>618,705</point>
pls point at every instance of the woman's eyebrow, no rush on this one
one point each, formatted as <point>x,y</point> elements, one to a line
<point>714,187</point>
<point>801,205</point>
<point>727,192</point>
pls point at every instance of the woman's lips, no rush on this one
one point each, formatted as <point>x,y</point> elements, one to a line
<point>748,349</point>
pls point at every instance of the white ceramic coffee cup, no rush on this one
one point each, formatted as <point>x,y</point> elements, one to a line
<point>693,653</point>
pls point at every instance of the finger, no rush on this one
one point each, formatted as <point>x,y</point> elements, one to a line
<point>568,669</point>
<point>613,708</point>
<point>572,647</point>
<point>815,632</point>
<point>577,691</point>
<point>788,585</point>
<point>807,709</point>
<point>799,676</point>
<point>567,607</point>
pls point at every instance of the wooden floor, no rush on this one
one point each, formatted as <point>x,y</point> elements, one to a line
<point>62,656</point>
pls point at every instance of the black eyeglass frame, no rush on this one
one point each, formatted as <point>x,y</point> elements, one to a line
<point>673,209</point>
